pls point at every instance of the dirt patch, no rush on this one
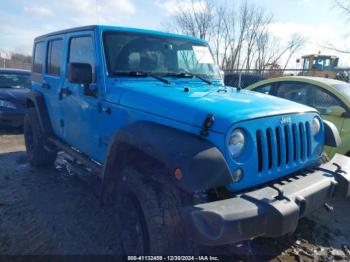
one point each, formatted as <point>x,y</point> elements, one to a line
<point>50,211</point>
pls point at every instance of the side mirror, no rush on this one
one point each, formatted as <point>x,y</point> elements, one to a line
<point>80,73</point>
<point>297,61</point>
<point>325,111</point>
<point>346,114</point>
<point>333,111</point>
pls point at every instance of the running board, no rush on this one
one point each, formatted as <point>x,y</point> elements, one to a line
<point>81,157</point>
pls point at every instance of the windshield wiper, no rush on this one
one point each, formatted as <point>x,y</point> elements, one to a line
<point>140,74</point>
<point>187,74</point>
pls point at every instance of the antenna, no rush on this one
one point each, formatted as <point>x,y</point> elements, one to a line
<point>97,12</point>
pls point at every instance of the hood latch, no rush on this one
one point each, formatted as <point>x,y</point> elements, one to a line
<point>207,124</point>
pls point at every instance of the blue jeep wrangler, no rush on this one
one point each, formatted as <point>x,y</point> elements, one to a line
<point>184,160</point>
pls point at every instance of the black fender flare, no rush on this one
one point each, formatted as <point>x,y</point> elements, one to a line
<point>36,99</point>
<point>332,137</point>
<point>202,164</point>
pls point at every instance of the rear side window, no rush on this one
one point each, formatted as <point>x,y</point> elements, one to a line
<point>39,57</point>
<point>54,57</point>
<point>322,99</point>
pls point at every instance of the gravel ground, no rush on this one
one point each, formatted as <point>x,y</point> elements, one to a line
<point>49,211</point>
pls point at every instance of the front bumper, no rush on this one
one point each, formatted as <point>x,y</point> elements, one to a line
<point>272,211</point>
<point>11,119</point>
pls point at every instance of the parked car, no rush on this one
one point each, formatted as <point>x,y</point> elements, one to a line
<point>183,159</point>
<point>14,85</point>
<point>330,97</point>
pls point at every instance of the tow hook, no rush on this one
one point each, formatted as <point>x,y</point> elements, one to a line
<point>280,195</point>
<point>339,170</point>
<point>328,207</point>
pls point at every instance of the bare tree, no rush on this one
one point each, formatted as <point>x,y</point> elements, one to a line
<point>195,19</point>
<point>344,7</point>
<point>238,34</point>
<point>222,35</point>
<point>294,44</point>
<point>332,47</point>
<point>257,25</point>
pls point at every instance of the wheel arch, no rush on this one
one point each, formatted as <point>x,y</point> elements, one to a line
<point>202,164</point>
<point>35,99</point>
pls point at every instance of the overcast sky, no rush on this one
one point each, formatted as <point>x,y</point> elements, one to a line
<point>22,20</point>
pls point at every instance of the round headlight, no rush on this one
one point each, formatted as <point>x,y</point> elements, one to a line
<point>316,126</point>
<point>236,142</point>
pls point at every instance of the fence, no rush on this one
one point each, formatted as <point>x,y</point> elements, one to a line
<point>243,78</point>
<point>5,63</point>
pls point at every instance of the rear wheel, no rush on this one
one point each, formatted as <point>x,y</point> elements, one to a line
<point>148,216</point>
<point>38,155</point>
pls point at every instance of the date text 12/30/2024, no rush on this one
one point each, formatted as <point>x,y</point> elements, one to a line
<point>173,258</point>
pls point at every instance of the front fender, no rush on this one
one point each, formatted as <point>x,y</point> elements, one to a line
<point>203,166</point>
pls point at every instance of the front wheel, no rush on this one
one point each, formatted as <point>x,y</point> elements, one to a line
<point>148,216</point>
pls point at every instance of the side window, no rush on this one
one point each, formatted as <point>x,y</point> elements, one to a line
<point>54,57</point>
<point>297,92</point>
<point>324,99</point>
<point>81,50</point>
<point>39,57</point>
<point>265,89</point>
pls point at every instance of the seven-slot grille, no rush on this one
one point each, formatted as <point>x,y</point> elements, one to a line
<point>283,145</point>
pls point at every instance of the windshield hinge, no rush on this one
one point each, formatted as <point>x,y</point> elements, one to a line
<point>208,123</point>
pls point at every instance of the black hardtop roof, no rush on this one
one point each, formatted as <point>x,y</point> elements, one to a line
<point>113,28</point>
<point>70,30</point>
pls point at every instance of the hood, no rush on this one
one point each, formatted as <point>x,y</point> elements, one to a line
<point>17,95</point>
<point>192,107</point>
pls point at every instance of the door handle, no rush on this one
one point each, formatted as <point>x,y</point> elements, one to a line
<point>46,85</point>
<point>90,91</point>
<point>64,91</point>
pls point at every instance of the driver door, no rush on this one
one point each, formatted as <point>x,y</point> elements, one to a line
<point>80,110</point>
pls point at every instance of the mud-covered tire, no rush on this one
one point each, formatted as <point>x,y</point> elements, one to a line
<point>34,139</point>
<point>155,204</point>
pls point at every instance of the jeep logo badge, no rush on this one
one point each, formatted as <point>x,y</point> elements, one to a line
<point>286,120</point>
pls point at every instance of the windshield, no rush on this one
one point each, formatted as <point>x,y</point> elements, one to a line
<point>343,89</point>
<point>138,52</point>
<point>10,80</point>
<point>322,63</point>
